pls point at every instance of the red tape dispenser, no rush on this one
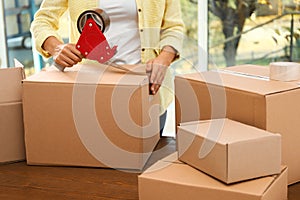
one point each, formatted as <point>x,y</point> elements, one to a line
<point>92,43</point>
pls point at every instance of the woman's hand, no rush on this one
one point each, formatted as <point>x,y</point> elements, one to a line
<point>66,55</point>
<point>157,68</point>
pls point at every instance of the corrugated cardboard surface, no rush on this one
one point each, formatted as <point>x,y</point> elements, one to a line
<point>75,118</point>
<point>236,152</point>
<point>176,181</point>
<point>11,85</point>
<point>11,118</point>
<point>248,98</point>
<point>12,147</point>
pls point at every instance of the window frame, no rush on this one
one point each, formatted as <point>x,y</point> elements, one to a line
<point>3,41</point>
<point>203,35</point>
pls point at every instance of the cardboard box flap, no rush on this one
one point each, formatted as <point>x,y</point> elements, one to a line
<point>242,82</point>
<point>89,74</point>
<point>183,174</point>
<point>11,84</point>
<point>225,131</point>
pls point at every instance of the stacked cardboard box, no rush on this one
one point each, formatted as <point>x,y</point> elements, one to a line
<point>90,115</point>
<point>171,179</point>
<point>229,151</point>
<point>11,117</point>
<point>245,94</point>
<point>218,159</point>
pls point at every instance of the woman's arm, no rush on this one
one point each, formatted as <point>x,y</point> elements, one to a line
<point>44,31</point>
<point>172,34</point>
<point>158,66</point>
<point>172,28</point>
<point>46,23</point>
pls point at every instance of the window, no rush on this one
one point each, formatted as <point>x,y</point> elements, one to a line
<point>16,18</point>
<point>253,31</point>
<point>189,61</point>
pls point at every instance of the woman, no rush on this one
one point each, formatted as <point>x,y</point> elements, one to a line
<point>146,31</point>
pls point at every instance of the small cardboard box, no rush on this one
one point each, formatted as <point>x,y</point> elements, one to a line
<point>92,115</point>
<point>176,181</point>
<point>228,150</point>
<point>12,146</point>
<point>244,94</point>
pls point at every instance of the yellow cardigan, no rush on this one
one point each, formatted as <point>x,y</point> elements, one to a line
<point>159,21</point>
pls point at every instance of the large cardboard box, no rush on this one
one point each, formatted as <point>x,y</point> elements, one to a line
<point>12,146</point>
<point>175,181</point>
<point>92,115</point>
<point>228,150</point>
<point>248,96</point>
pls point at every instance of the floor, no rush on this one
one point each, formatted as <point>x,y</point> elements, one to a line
<point>19,181</point>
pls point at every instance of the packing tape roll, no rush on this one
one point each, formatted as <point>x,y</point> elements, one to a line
<point>284,71</point>
<point>98,15</point>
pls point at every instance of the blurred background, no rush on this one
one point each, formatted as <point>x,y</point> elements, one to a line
<point>238,32</point>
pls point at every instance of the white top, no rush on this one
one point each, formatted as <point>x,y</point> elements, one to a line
<point>123,30</point>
